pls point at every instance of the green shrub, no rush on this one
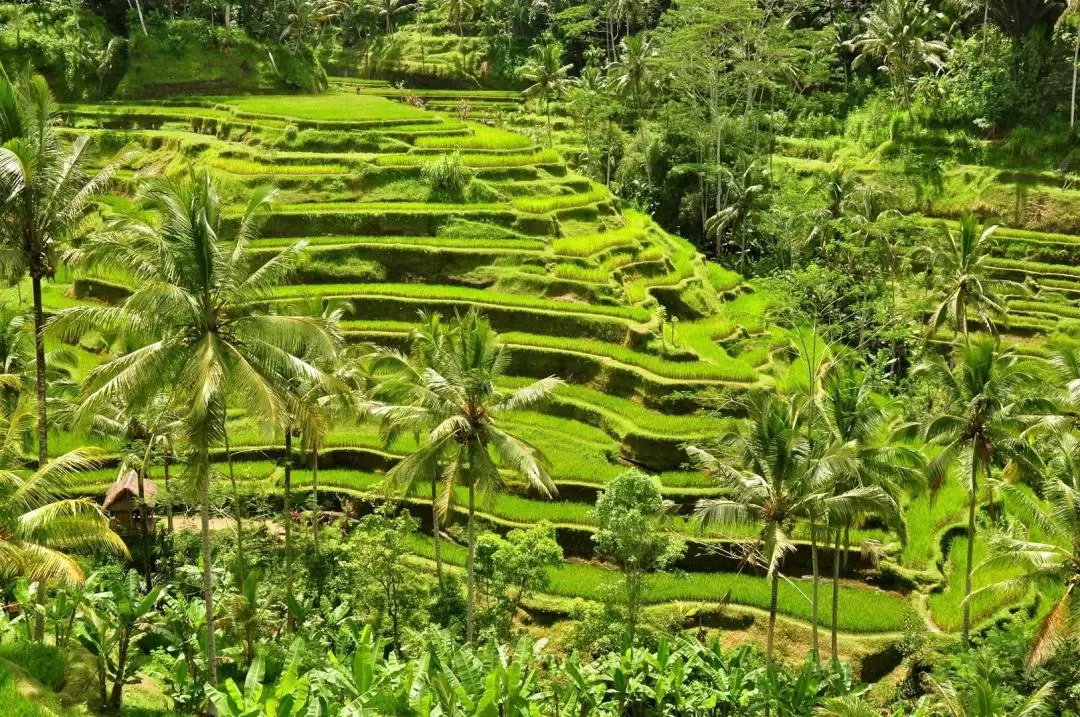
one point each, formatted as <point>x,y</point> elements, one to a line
<point>447,174</point>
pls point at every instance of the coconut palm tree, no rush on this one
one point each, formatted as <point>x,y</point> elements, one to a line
<point>456,11</point>
<point>548,75</point>
<point>457,403</point>
<point>395,376</point>
<point>389,11</point>
<point>901,33</point>
<point>781,482</point>
<point>981,696</point>
<point>46,199</point>
<point>1053,559</point>
<point>738,197</point>
<point>986,403</point>
<point>858,421</point>
<point>194,311</point>
<point>963,280</point>
<point>39,526</point>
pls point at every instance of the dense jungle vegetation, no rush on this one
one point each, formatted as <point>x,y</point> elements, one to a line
<point>492,358</point>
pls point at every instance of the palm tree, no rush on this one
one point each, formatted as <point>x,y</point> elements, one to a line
<point>194,307</point>
<point>395,376</point>
<point>549,77</point>
<point>457,403</point>
<point>858,421</point>
<point>632,77</point>
<point>781,481</point>
<point>898,32</point>
<point>986,405</point>
<point>39,527</point>
<point>47,198</point>
<point>738,196</point>
<point>1073,11</point>
<point>981,696</point>
<point>389,10</point>
<point>1015,18</point>
<point>963,280</point>
<point>1053,559</point>
<point>456,11</point>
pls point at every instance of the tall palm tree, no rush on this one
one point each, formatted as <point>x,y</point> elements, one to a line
<point>781,482</point>
<point>858,421</point>
<point>901,33</point>
<point>549,77</point>
<point>1054,558</point>
<point>395,376</point>
<point>456,11</point>
<point>46,199</point>
<point>389,11</point>
<point>986,403</point>
<point>194,308</point>
<point>963,280</point>
<point>457,403</point>
<point>738,197</point>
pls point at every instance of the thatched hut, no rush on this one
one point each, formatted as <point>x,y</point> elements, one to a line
<point>122,502</point>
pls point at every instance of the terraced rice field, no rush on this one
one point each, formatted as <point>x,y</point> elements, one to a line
<point>576,284</point>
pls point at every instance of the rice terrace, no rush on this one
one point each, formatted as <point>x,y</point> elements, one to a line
<point>437,357</point>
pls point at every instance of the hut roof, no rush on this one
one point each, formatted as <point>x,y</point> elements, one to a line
<point>127,483</point>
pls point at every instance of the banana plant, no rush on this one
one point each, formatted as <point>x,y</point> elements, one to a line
<point>115,621</point>
<point>290,696</point>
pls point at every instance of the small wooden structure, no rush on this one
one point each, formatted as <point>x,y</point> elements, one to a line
<point>122,503</point>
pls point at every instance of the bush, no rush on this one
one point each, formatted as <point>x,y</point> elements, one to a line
<point>448,174</point>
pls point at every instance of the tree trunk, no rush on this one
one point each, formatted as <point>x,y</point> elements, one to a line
<point>290,619</point>
<point>117,697</point>
<point>966,624</point>
<point>435,533</point>
<point>814,645</point>
<point>772,620</point>
<point>168,495</point>
<point>835,594</point>
<point>142,21</point>
<point>144,522</point>
<point>470,625</point>
<point>1072,108</point>
<point>238,505</point>
<point>316,514</point>
<point>207,581</point>
<point>39,620</point>
<point>39,363</point>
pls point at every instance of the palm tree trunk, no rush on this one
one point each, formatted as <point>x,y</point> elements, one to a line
<point>966,624</point>
<point>316,513</point>
<point>142,21</point>
<point>772,619</point>
<point>835,594</point>
<point>207,578</point>
<point>39,362</point>
<point>814,646</point>
<point>238,506</point>
<point>290,619</point>
<point>168,495</point>
<point>1072,108</point>
<point>435,533</point>
<point>470,625</point>
<point>144,523</point>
